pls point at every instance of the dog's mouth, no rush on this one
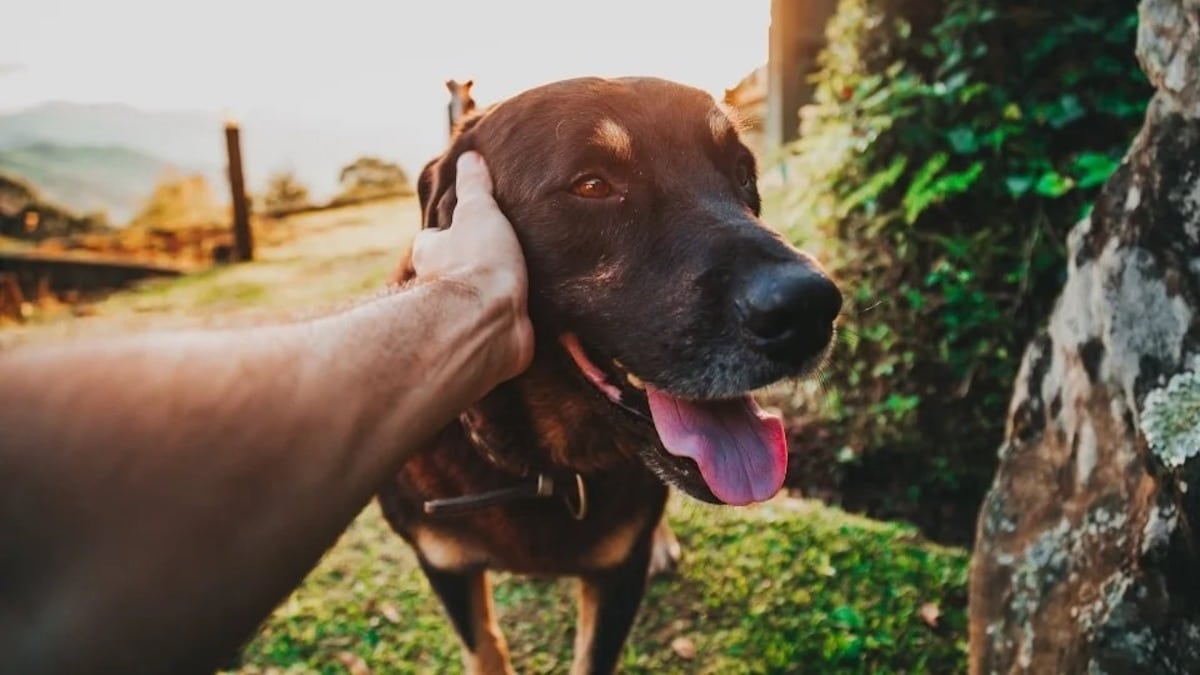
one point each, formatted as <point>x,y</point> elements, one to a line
<point>739,449</point>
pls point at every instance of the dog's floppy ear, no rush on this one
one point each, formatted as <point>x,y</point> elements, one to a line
<point>404,269</point>
<point>425,184</point>
<point>435,185</point>
<point>435,191</point>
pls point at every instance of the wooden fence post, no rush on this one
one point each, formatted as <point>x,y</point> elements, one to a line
<point>797,36</point>
<point>243,239</point>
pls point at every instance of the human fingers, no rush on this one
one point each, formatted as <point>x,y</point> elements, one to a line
<point>473,186</point>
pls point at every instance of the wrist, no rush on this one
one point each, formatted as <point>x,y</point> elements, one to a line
<point>451,332</point>
<point>499,330</point>
<point>495,290</point>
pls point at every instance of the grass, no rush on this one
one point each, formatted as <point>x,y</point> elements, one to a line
<point>13,244</point>
<point>789,586</point>
<point>329,257</point>
<point>786,587</point>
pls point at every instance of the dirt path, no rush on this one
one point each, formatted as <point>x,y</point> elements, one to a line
<point>332,257</point>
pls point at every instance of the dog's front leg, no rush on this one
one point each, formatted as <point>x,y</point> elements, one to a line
<point>608,604</point>
<point>467,598</point>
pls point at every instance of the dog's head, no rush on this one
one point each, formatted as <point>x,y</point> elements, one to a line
<point>650,273</point>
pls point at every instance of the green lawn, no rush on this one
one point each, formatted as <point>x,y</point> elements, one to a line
<point>785,587</point>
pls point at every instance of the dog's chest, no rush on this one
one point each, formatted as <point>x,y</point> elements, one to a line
<point>527,535</point>
<point>530,535</point>
<point>533,539</point>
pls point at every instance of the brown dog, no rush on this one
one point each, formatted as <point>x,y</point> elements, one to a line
<point>659,300</point>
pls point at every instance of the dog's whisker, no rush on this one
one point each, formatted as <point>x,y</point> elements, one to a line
<point>823,382</point>
<point>785,388</point>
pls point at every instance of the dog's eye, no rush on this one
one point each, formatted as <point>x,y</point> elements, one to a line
<point>592,187</point>
<point>744,174</point>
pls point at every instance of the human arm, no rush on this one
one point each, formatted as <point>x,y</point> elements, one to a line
<point>160,494</point>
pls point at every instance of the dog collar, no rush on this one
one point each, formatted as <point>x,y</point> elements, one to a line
<point>570,487</point>
<point>542,485</point>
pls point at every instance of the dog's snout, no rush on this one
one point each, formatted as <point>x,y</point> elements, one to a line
<point>789,308</point>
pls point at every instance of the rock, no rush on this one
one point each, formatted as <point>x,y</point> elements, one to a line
<point>1084,559</point>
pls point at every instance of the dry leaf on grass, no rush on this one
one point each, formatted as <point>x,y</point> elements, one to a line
<point>353,663</point>
<point>684,648</point>
<point>389,612</point>
<point>930,613</point>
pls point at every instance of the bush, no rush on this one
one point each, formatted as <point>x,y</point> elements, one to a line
<point>372,178</point>
<point>939,169</point>
<point>285,193</point>
<point>179,202</point>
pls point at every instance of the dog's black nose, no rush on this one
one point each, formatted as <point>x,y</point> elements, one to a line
<point>789,309</point>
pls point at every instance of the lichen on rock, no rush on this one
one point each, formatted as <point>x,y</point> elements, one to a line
<point>1171,419</point>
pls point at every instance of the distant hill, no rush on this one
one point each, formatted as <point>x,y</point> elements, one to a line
<point>187,138</point>
<point>26,215</point>
<point>71,144</point>
<point>112,179</point>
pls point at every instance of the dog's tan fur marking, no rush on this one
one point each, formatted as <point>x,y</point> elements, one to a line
<point>552,429</point>
<point>491,651</point>
<point>585,627</point>
<point>445,553</point>
<point>734,117</point>
<point>719,124</point>
<point>553,419</point>
<point>613,549</point>
<point>611,135</point>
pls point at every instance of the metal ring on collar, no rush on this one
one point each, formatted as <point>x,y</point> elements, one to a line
<point>580,512</point>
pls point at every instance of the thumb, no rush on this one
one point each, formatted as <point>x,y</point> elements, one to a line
<point>427,246</point>
<point>473,182</point>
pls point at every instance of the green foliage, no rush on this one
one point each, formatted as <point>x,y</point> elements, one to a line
<point>786,587</point>
<point>944,160</point>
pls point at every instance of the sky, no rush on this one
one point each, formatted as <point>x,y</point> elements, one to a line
<point>368,60</point>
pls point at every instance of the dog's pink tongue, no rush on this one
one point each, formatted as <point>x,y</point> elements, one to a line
<point>741,449</point>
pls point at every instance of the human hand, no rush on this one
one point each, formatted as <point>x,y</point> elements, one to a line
<point>480,252</point>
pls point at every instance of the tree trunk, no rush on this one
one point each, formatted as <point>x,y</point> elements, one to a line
<point>1085,560</point>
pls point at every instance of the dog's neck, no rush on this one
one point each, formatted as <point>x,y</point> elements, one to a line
<point>527,428</point>
<point>492,440</point>
<point>549,420</point>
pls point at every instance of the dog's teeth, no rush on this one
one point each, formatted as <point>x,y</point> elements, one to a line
<point>635,381</point>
